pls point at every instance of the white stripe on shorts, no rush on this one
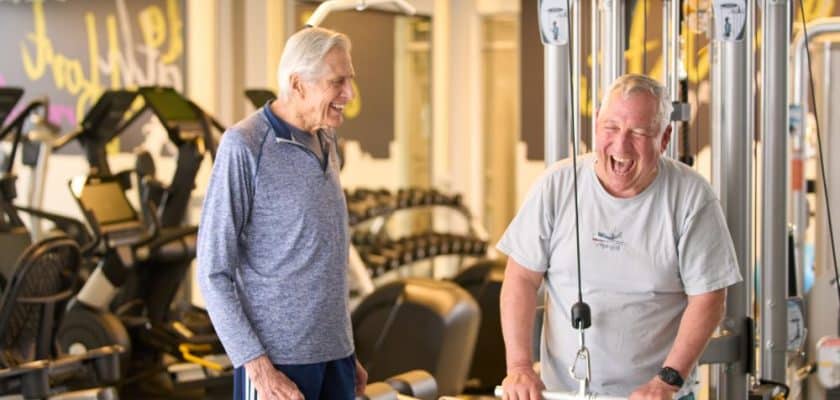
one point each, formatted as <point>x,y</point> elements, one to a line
<point>250,389</point>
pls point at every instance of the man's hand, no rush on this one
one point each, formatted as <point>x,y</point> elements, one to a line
<point>522,384</point>
<point>271,384</point>
<point>655,389</point>
<point>361,378</point>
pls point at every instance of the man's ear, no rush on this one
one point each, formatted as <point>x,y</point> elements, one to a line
<point>666,138</point>
<point>296,84</point>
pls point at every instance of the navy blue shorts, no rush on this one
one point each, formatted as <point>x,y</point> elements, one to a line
<point>326,380</point>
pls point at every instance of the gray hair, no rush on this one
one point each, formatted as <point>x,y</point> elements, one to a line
<point>633,83</point>
<point>304,53</point>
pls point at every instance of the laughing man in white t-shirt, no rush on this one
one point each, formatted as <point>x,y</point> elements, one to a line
<point>656,259</point>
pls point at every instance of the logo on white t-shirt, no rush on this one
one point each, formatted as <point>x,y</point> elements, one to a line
<point>608,241</point>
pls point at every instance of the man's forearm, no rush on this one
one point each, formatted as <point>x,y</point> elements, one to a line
<point>702,315</point>
<point>518,308</point>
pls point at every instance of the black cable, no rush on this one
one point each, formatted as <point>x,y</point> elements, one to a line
<point>574,167</point>
<point>755,140</point>
<point>819,148</point>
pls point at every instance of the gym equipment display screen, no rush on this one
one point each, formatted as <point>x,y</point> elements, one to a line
<point>107,202</point>
<point>171,106</point>
<point>108,112</point>
<point>8,98</point>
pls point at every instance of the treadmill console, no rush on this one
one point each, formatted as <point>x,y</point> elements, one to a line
<point>9,96</point>
<point>103,119</point>
<point>106,206</point>
<point>182,120</point>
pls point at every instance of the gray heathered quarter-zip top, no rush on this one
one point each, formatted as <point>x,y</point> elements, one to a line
<point>272,248</point>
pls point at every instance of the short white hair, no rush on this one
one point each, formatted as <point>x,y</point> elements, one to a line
<point>304,54</point>
<point>634,83</point>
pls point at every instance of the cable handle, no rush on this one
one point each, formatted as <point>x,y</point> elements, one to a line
<point>547,395</point>
<point>582,361</point>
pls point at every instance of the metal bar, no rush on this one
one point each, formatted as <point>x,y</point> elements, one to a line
<point>595,21</point>
<point>749,42</point>
<point>723,350</point>
<point>732,165</point>
<point>736,165</point>
<point>37,186</point>
<point>671,46</point>
<point>798,197</point>
<point>666,40</point>
<point>576,60</point>
<point>329,6</point>
<point>736,153</point>
<point>773,308</point>
<point>547,395</point>
<point>614,41</point>
<point>556,104</point>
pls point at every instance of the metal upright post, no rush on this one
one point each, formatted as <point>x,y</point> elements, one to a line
<point>798,198</point>
<point>671,53</point>
<point>595,21</point>
<point>557,105</point>
<point>613,41</point>
<point>732,165</point>
<point>554,32</point>
<point>576,64</point>
<point>608,24</point>
<point>774,124</point>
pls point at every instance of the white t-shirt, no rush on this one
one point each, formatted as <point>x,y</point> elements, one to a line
<point>640,258</point>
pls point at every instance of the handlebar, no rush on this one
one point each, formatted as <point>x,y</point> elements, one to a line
<point>565,395</point>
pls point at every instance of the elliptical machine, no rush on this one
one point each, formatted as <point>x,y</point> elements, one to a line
<point>36,280</point>
<point>141,264</point>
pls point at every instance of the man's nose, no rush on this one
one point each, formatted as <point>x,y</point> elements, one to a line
<point>348,91</point>
<point>624,138</point>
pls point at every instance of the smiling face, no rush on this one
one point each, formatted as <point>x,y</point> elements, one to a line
<point>322,99</point>
<point>629,143</point>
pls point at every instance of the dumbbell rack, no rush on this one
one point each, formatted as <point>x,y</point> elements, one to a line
<point>375,256</point>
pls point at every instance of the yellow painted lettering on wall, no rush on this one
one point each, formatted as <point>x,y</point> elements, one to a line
<point>638,43</point>
<point>176,46</point>
<point>697,61</point>
<point>43,48</point>
<point>817,9</point>
<point>657,70</point>
<point>39,57</point>
<point>93,47</point>
<point>113,52</point>
<point>75,77</point>
<point>153,26</point>
<point>585,104</point>
<point>354,107</point>
<point>67,73</point>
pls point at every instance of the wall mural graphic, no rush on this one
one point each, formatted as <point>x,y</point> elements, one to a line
<point>73,50</point>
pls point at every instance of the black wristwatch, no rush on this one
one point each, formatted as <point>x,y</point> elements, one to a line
<point>671,377</point>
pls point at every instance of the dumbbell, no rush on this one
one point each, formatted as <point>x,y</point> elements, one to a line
<point>418,384</point>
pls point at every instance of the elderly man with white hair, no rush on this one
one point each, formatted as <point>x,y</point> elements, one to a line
<point>656,259</point>
<point>273,236</point>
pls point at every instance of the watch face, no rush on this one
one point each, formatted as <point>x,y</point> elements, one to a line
<point>671,376</point>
